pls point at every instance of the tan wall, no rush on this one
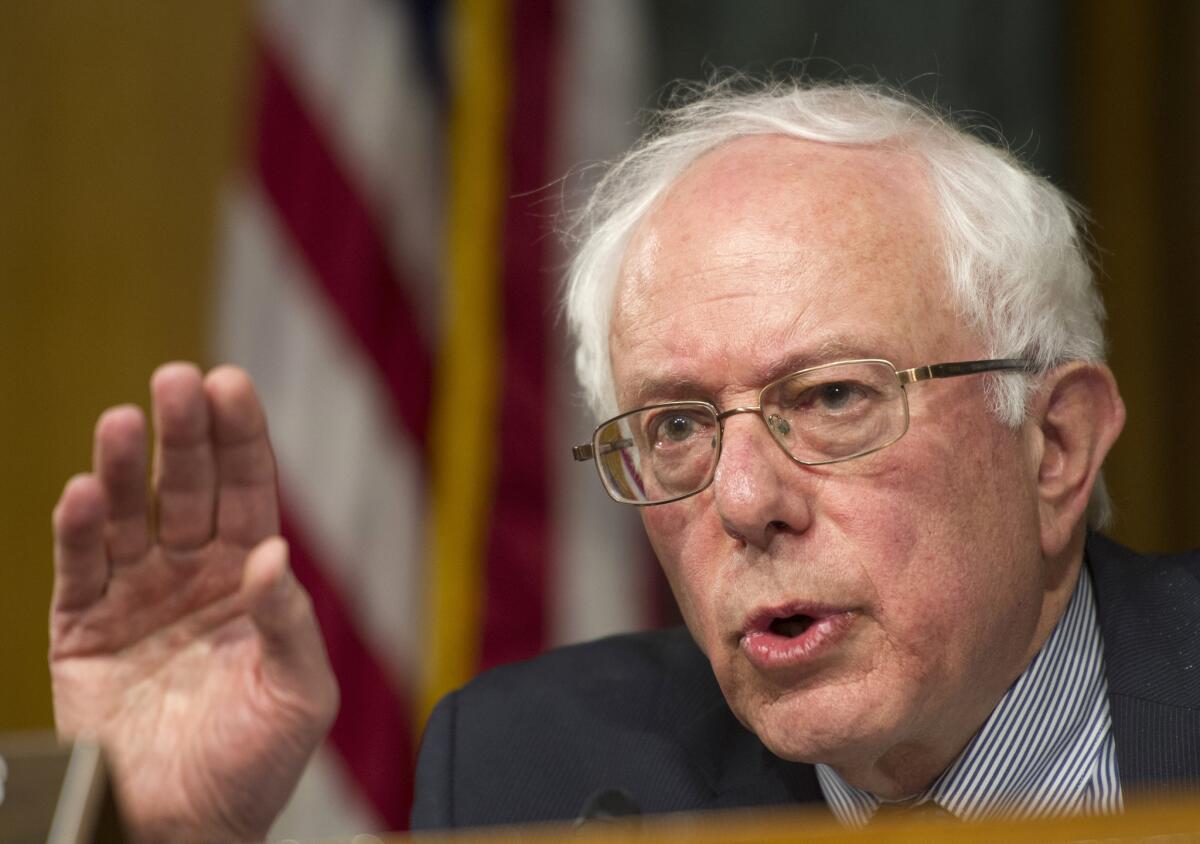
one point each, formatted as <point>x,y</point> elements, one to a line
<point>1134,92</point>
<point>118,121</point>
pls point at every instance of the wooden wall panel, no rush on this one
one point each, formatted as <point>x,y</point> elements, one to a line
<point>1136,149</point>
<point>120,122</point>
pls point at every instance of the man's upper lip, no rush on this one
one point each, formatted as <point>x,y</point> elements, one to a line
<point>760,620</point>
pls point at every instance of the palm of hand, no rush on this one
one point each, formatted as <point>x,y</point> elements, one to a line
<point>199,668</point>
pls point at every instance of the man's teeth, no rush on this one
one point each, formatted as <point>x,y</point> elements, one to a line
<point>792,626</point>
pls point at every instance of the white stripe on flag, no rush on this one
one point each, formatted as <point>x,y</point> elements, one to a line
<point>351,479</point>
<point>355,65</point>
<point>600,559</point>
<point>325,804</point>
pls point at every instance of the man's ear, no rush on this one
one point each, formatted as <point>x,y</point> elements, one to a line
<point>1078,414</point>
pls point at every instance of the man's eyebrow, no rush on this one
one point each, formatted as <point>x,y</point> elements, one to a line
<point>829,351</point>
<point>650,389</point>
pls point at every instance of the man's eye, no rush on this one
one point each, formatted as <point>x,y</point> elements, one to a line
<point>675,428</point>
<point>678,428</point>
<point>835,396</point>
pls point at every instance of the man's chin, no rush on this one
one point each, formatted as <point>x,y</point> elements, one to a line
<point>816,726</point>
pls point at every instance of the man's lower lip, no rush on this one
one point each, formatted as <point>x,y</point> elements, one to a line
<point>770,651</point>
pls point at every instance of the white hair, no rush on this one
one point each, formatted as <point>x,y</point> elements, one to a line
<point>1014,245</point>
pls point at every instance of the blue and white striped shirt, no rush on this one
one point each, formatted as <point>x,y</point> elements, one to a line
<point>1047,748</point>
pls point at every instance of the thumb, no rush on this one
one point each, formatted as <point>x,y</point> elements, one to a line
<point>293,652</point>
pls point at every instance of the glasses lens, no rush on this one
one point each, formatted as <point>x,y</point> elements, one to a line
<point>836,412</point>
<point>658,453</point>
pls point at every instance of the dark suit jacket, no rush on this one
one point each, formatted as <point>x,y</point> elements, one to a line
<point>533,741</point>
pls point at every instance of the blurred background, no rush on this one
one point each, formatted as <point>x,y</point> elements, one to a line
<point>360,201</point>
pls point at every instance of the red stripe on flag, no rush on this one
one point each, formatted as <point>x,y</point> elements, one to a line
<point>373,730</point>
<point>332,228</point>
<point>515,618</point>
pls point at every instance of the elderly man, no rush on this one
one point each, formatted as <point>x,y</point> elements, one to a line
<point>853,360</point>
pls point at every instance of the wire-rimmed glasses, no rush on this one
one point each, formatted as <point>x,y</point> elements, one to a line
<point>822,414</point>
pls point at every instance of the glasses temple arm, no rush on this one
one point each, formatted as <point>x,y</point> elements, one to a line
<point>967,367</point>
<point>585,452</point>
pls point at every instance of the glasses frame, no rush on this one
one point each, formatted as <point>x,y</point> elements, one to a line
<point>593,449</point>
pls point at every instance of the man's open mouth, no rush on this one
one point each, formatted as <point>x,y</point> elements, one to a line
<point>788,621</point>
<point>789,637</point>
<point>791,626</point>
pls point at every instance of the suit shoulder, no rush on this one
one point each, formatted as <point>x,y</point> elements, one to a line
<point>611,664</point>
<point>640,681</point>
<point>533,740</point>
<point>1148,606</point>
<point>1122,569</point>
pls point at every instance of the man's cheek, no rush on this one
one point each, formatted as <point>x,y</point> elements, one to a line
<point>685,551</point>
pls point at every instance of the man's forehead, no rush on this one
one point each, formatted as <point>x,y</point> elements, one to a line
<point>772,254</point>
<point>763,200</point>
<point>824,180</point>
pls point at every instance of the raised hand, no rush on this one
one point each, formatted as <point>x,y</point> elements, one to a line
<point>178,635</point>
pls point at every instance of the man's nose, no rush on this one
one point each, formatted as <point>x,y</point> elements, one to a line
<point>759,491</point>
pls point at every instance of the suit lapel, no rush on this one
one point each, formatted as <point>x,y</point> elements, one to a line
<point>1149,612</point>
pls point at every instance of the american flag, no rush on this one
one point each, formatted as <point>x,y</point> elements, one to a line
<point>389,280</point>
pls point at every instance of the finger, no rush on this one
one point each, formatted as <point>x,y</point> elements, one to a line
<point>80,564</point>
<point>293,653</point>
<point>119,461</point>
<point>184,470</point>
<point>247,499</point>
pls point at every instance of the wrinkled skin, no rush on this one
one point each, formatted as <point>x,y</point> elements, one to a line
<point>953,552</point>
<point>189,651</point>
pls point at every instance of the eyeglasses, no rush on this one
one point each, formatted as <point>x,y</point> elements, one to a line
<point>823,414</point>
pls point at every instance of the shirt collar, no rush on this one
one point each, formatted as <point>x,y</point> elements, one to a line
<point>1039,750</point>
